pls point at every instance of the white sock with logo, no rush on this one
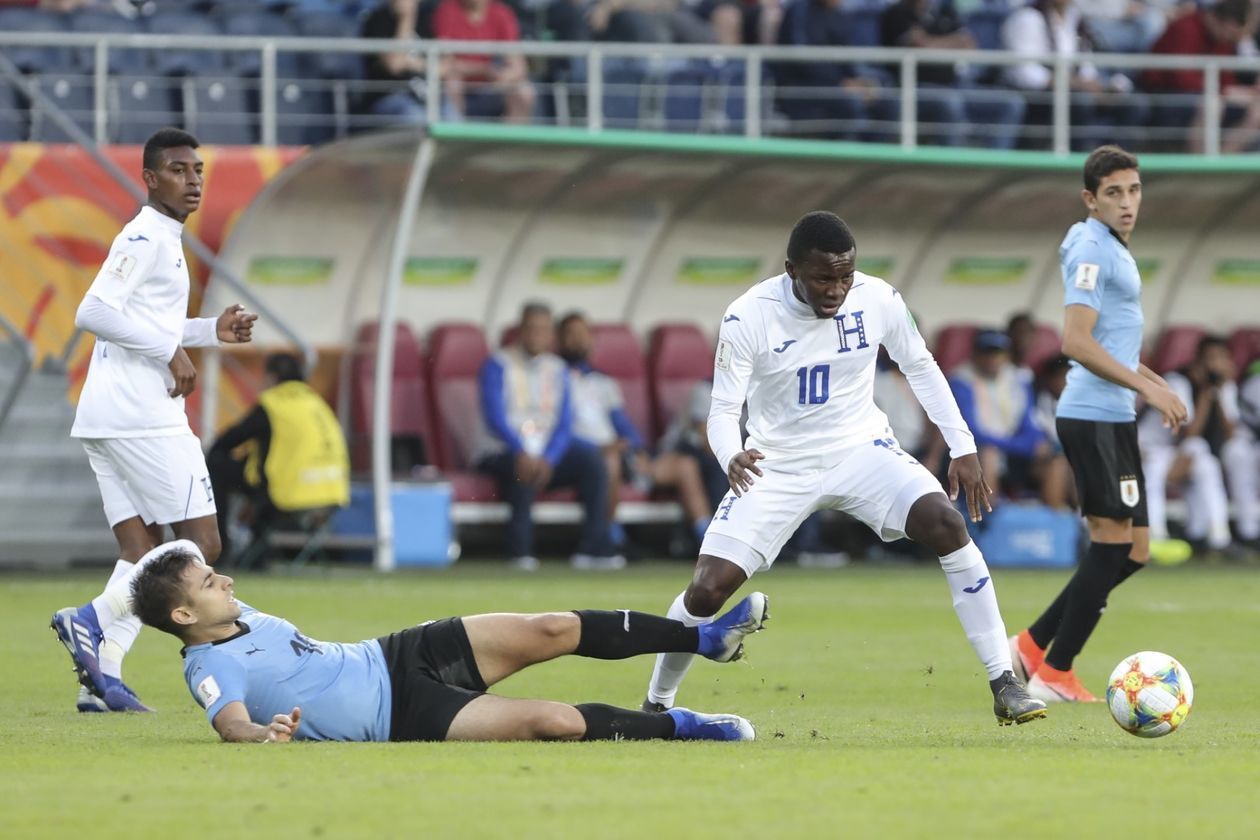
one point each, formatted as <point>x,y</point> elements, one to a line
<point>976,604</point>
<point>115,601</point>
<point>670,668</point>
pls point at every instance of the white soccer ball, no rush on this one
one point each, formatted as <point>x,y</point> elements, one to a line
<point>1150,694</point>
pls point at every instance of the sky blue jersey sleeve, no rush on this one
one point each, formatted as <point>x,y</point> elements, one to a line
<point>215,680</point>
<point>1085,269</point>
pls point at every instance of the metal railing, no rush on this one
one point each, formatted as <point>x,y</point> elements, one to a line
<point>17,341</point>
<point>598,58</point>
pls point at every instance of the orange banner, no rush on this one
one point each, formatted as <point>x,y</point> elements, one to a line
<point>59,212</point>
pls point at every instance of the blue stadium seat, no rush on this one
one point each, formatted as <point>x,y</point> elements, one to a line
<point>330,65</point>
<point>141,105</point>
<point>121,61</point>
<point>684,97</point>
<point>305,115</point>
<point>73,94</point>
<point>986,26</point>
<point>218,110</point>
<point>185,62</point>
<point>861,26</point>
<point>12,116</point>
<point>264,24</point>
<point>31,59</point>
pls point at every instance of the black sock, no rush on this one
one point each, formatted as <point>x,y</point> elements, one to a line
<point>621,634</point>
<point>1043,630</point>
<point>1086,596</point>
<point>608,723</point>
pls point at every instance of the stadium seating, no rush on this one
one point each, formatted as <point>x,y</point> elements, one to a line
<point>411,413</point>
<point>618,354</point>
<point>953,345</point>
<point>141,105</point>
<point>456,353</point>
<point>12,125</point>
<point>1046,345</point>
<point>70,92</point>
<point>120,61</point>
<point>679,355</point>
<point>1244,347</point>
<point>1175,348</point>
<point>34,59</point>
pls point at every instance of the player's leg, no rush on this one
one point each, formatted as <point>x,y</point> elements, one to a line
<point>491,718</point>
<point>204,531</point>
<point>504,643</point>
<point>745,536</point>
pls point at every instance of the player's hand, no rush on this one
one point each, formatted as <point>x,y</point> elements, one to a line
<point>282,727</point>
<point>235,325</point>
<point>1168,404</point>
<point>741,470</point>
<point>965,472</point>
<point>185,374</point>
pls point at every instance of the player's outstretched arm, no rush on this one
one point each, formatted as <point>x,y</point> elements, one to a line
<point>233,725</point>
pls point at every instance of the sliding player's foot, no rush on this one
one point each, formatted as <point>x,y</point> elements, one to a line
<point>722,639</point>
<point>697,726</point>
<point>1054,686</point>
<point>78,629</point>
<point>1025,655</point>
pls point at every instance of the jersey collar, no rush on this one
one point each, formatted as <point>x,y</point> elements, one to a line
<point>1100,227</point>
<point>243,629</point>
<point>153,217</point>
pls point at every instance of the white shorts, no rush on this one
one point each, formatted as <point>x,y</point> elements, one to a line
<point>876,483</point>
<point>160,479</point>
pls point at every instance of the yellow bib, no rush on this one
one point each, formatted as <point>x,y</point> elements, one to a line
<point>307,465</point>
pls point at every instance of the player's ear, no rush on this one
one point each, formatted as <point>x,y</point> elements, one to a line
<point>1089,199</point>
<point>789,268</point>
<point>150,178</point>
<point>183,616</point>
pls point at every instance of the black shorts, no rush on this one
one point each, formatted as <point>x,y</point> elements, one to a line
<point>432,674</point>
<point>1107,466</point>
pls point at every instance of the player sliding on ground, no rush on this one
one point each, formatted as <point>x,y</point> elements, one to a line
<point>131,416</point>
<point>800,348</point>
<point>259,679</point>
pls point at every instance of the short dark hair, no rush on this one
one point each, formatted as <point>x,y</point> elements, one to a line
<point>1232,11</point>
<point>819,231</point>
<point>284,367</point>
<point>1208,341</point>
<point>1105,160</point>
<point>163,139</point>
<point>569,318</point>
<point>534,307</point>
<point>1019,319</point>
<point>158,588</point>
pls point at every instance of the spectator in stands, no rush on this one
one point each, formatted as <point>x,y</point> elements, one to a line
<point>949,107</point>
<point>831,99</point>
<point>688,434</point>
<point>1102,103</point>
<point>1022,332</point>
<point>997,403</point>
<point>1217,30</point>
<point>600,419</point>
<point>399,93</point>
<point>295,453</point>
<point>1130,26</point>
<point>1050,385</point>
<point>526,442</point>
<point>483,85</point>
<point>1209,449</point>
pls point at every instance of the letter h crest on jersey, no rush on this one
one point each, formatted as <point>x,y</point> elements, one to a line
<point>843,331</point>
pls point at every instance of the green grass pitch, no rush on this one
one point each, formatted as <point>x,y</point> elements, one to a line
<point>873,720</point>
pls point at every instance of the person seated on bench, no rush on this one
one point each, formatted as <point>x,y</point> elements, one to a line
<point>295,453</point>
<point>526,442</point>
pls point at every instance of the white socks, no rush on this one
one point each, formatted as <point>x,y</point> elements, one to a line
<point>976,604</point>
<point>670,668</point>
<point>113,608</point>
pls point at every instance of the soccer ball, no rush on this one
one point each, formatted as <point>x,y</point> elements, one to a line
<point>1150,694</point>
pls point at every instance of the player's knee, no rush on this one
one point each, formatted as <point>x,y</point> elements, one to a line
<point>551,626</point>
<point>557,722</point>
<point>942,527</point>
<point>705,597</point>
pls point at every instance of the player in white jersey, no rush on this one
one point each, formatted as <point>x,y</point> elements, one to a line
<point>800,348</point>
<point>131,418</point>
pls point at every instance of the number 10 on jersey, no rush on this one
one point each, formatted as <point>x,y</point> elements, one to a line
<point>815,382</point>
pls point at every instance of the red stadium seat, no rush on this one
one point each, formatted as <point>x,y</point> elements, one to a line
<point>953,345</point>
<point>618,354</point>
<point>510,335</point>
<point>456,353</point>
<point>411,413</point>
<point>1244,346</point>
<point>678,356</point>
<point>1175,347</point>
<point>1045,346</point>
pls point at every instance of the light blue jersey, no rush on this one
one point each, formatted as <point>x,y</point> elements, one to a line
<point>1099,272</point>
<point>342,689</point>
